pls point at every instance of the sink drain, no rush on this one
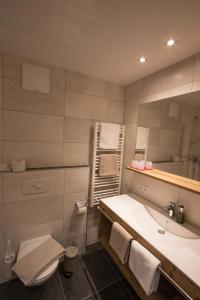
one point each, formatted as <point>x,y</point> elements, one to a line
<point>161,231</point>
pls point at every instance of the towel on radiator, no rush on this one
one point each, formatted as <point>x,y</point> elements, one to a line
<point>108,165</point>
<point>145,267</point>
<point>120,241</point>
<point>109,136</point>
<point>33,264</point>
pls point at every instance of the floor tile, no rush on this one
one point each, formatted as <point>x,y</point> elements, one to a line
<point>15,290</point>
<point>93,248</point>
<point>112,264</point>
<point>114,291</point>
<point>78,286</point>
<point>99,270</point>
<point>129,288</point>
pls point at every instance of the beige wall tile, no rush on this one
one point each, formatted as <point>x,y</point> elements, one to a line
<point>116,92</point>
<point>1,152</point>
<point>115,111</point>
<point>1,250</point>
<point>70,209</point>
<point>1,125</point>
<point>1,63</point>
<point>55,229</point>
<point>149,117</point>
<point>1,92</point>
<point>171,123</point>
<point>159,192</point>
<point>196,76</point>
<point>57,77</point>
<point>131,112</point>
<point>36,154</point>
<point>76,180</point>
<point>19,215</point>
<point>154,136</point>
<point>75,227</point>
<point>17,99</point>
<point>133,91</point>
<point>192,206</point>
<point>1,218</point>
<point>165,153</point>
<point>76,154</point>
<point>85,106</point>
<point>131,133</point>
<point>21,126</point>
<point>169,137</point>
<point>129,155</point>
<point>176,75</point>
<point>85,84</point>
<point>13,184</point>
<point>77,130</point>
<point>92,225</point>
<point>1,188</point>
<point>12,66</point>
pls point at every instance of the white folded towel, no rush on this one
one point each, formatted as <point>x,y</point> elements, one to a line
<point>145,267</point>
<point>108,165</point>
<point>142,138</point>
<point>120,241</point>
<point>34,263</point>
<point>109,136</point>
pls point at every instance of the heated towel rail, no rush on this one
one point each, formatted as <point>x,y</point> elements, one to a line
<point>105,186</point>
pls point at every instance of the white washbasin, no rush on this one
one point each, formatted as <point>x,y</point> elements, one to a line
<point>180,244</point>
<point>171,225</point>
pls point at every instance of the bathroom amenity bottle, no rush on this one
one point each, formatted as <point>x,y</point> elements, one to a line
<point>180,218</point>
<point>9,259</point>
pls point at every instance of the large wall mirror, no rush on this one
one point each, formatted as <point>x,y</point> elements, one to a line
<point>168,134</point>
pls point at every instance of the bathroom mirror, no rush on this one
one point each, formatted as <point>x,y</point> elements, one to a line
<point>168,134</point>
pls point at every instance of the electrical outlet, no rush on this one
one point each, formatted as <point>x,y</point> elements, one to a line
<point>142,187</point>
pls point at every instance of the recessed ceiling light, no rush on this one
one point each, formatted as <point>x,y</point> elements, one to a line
<point>142,59</point>
<point>170,42</point>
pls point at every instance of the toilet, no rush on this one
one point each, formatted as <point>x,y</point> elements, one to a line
<point>28,246</point>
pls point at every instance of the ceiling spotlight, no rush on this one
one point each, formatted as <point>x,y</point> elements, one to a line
<point>170,42</point>
<point>142,59</point>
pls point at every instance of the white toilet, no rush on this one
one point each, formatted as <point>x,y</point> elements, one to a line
<point>28,246</point>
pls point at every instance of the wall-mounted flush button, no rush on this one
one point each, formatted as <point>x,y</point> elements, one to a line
<point>35,186</point>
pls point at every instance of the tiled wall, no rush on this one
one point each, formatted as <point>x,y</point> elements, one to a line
<point>31,215</point>
<point>52,130</point>
<point>179,79</point>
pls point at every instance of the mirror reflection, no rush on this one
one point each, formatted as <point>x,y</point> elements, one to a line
<point>168,134</point>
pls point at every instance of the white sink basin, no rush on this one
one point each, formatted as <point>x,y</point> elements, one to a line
<point>171,225</point>
<point>180,244</point>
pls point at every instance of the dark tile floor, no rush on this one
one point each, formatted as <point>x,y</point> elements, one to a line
<point>95,277</point>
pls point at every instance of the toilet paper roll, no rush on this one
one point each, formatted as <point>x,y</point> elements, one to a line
<point>81,210</point>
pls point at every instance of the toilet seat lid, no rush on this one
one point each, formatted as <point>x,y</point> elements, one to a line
<point>28,246</point>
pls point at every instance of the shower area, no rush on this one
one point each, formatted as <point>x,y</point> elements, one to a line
<point>193,163</point>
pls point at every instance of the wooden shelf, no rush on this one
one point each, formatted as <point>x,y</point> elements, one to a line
<point>182,182</point>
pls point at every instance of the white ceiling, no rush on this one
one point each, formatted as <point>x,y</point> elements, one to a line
<point>102,38</point>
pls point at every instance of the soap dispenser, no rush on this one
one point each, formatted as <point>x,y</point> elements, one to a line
<point>180,218</point>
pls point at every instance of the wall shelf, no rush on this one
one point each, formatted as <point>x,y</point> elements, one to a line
<point>182,182</point>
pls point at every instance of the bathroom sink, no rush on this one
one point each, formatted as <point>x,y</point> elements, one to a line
<point>180,244</point>
<point>171,225</point>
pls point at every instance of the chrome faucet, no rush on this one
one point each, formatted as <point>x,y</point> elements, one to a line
<point>171,209</point>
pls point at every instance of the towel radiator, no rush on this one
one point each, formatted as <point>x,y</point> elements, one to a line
<point>105,186</point>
